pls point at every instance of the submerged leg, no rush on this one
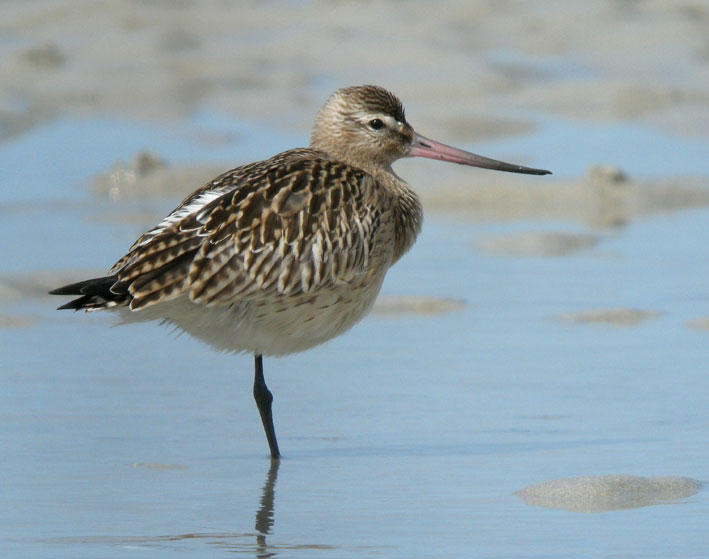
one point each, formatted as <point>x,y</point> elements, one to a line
<point>263,398</point>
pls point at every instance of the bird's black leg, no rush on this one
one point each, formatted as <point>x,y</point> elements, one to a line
<point>264,398</point>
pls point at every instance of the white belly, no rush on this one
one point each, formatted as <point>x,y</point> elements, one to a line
<point>275,325</point>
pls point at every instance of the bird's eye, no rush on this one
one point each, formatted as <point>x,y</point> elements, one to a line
<point>376,124</point>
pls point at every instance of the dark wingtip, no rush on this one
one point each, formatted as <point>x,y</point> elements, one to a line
<point>93,293</point>
<point>60,291</point>
<point>68,307</point>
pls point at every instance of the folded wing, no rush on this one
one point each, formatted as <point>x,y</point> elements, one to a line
<point>292,224</point>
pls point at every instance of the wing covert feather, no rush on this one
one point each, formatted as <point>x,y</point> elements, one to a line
<point>291,224</point>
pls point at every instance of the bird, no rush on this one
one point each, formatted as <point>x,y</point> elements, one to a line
<point>281,255</point>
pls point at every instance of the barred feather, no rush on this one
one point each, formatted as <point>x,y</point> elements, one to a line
<point>262,228</point>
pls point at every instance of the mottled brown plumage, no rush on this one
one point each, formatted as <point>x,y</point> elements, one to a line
<point>283,254</point>
<point>289,225</point>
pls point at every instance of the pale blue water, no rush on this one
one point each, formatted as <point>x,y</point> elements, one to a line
<point>407,437</point>
<point>569,148</point>
<point>55,160</point>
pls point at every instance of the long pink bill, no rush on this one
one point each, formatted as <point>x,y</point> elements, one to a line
<point>423,147</point>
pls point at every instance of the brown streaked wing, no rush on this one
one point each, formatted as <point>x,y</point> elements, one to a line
<point>289,224</point>
<point>303,225</point>
<point>156,267</point>
<point>220,185</point>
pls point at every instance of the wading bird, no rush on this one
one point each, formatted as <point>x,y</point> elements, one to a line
<point>284,254</point>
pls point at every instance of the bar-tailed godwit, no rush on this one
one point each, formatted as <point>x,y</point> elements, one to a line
<point>284,254</point>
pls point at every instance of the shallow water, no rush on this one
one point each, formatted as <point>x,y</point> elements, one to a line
<point>407,437</point>
<point>531,360</point>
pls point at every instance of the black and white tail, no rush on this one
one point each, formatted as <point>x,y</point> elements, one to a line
<point>95,294</point>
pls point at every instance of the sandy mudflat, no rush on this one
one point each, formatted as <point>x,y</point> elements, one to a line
<point>544,245</point>
<point>700,323</point>
<point>614,317</point>
<point>391,305</point>
<point>603,197</point>
<point>607,492</point>
<point>468,70</point>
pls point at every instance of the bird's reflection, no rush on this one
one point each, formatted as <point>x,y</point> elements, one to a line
<point>239,543</point>
<point>264,515</point>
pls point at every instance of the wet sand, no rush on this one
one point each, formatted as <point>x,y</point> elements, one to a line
<point>456,65</point>
<point>611,492</point>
